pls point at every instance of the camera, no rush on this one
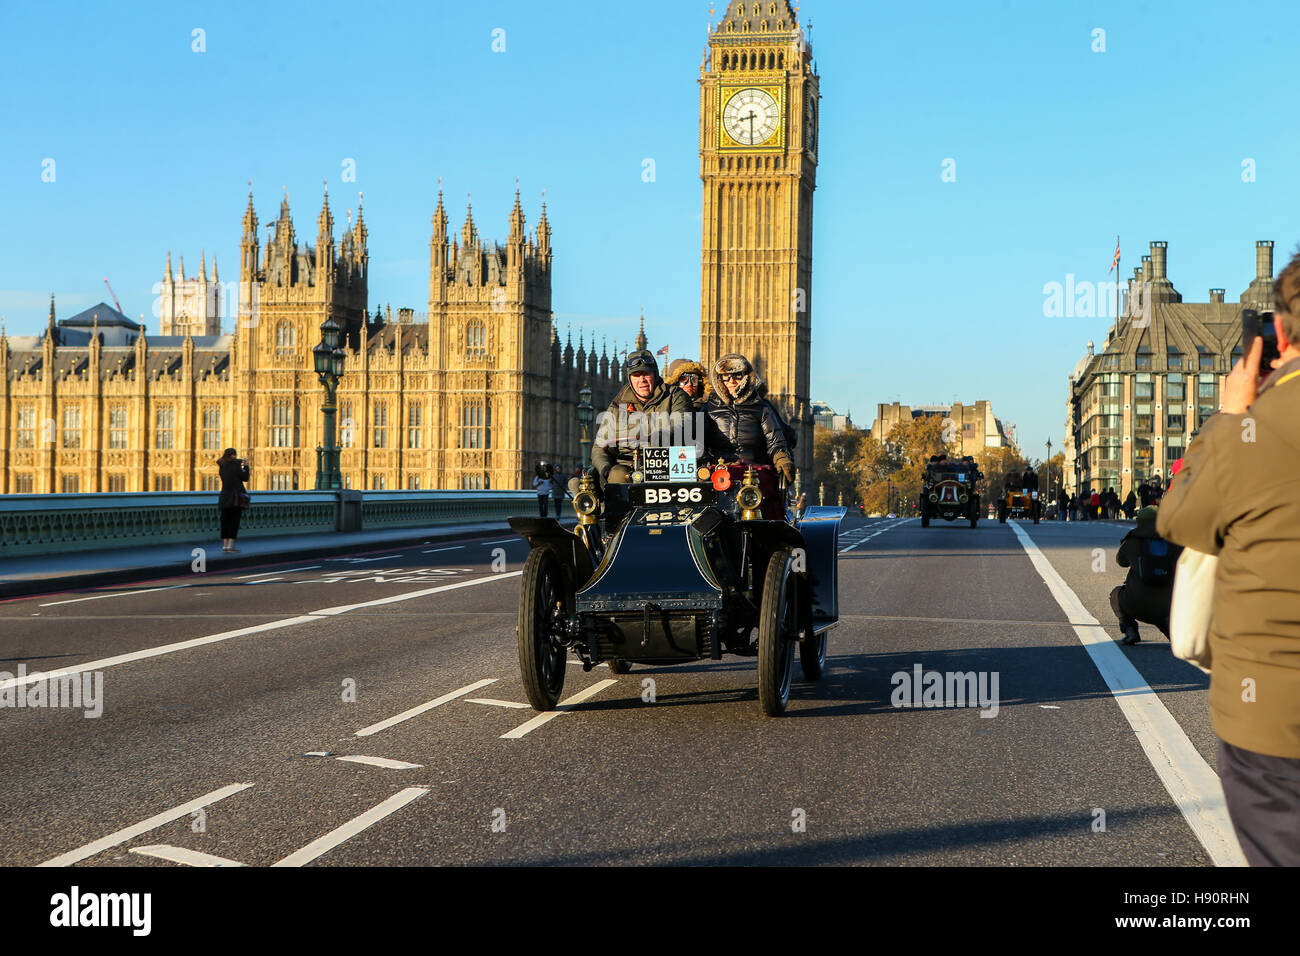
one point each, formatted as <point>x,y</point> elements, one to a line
<point>1260,324</point>
<point>544,469</point>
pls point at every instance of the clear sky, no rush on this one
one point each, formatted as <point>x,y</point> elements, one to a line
<point>923,290</point>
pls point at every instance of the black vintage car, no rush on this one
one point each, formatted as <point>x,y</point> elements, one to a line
<point>681,571</point>
<point>950,490</point>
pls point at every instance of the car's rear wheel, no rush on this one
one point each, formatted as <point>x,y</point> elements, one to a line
<point>619,666</point>
<point>812,655</point>
<point>543,603</point>
<point>778,632</point>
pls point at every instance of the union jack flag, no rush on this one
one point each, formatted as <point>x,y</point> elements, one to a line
<point>1116,260</point>
<point>662,351</point>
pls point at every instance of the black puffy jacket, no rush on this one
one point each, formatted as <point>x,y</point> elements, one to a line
<point>748,430</point>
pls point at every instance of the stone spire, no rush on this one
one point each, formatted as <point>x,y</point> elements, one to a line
<point>468,231</point>
<point>214,267</point>
<point>517,218</point>
<point>544,231</point>
<point>182,267</point>
<point>168,274</point>
<point>641,341</point>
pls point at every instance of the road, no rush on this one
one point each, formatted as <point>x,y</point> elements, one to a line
<point>231,702</point>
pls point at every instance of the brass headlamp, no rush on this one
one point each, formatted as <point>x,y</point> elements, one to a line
<point>585,502</point>
<point>749,497</point>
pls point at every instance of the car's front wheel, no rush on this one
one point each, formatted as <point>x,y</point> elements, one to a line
<point>543,604</point>
<point>778,632</point>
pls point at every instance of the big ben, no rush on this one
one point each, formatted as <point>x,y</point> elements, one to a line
<point>758,163</point>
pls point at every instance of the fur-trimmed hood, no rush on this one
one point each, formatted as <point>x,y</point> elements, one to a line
<point>682,366</point>
<point>754,388</point>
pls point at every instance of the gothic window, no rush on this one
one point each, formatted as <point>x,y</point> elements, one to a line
<point>70,485</point>
<point>162,483</point>
<point>472,482</point>
<point>211,428</point>
<point>117,483</point>
<point>763,27</point>
<point>756,9</point>
<point>22,484</point>
<point>347,425</point>
<point>164,428</point>
<point>282,481</point>
<point>412,482</point>
<point>475,338</point>
<point>475,423</point>
<point>381,425</point>
<point>413,431</point>
<point>26,437</point>
<point>379,483</point>
<point>117,431</point>
<point>284,337</point>
<point>211,482</point>
<point>72,427</point>
<point>282,424</point>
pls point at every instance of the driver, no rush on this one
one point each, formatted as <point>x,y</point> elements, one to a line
<point>739,423</point>
<point>643,407</point>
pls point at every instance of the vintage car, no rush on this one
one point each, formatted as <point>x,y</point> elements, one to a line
<point>1019,504</point>
<point>950,490</point>
<point>686,567</point>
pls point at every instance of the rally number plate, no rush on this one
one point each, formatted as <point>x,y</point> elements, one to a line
<point>683,496</point>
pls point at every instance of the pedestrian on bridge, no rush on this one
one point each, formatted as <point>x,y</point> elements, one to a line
<point>234,497</point>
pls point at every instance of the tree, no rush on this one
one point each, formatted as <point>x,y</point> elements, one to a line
<point>834,471</point>
<point>890,471</point>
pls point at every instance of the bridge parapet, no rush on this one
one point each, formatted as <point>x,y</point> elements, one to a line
<point>45,524</point>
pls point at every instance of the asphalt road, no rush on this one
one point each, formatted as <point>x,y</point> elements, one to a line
<point>282,672</point>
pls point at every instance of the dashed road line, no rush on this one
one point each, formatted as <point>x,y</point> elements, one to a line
<point>562,707</point>
<point>384,762</point>
<point>484,544</point>
<point>1194,787</point>
<point>177,854</point>
<point>144,826</point>
<point>112,594</point>
<point>258,574</point>
<point>322,845</point>
<point>864,540</point>
<point>417,711</point>
<point>455,547</point>
<point>493,702</point>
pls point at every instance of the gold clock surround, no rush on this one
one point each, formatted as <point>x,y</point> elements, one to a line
<point>775,142</point>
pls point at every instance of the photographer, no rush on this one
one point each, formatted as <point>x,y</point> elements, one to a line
<point>1237,497</point>
<point>543,474</point>
<point>234,497</point>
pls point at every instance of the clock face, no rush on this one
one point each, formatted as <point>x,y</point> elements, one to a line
<point>751,117</point>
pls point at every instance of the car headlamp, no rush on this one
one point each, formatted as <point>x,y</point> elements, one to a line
<point>933,496</point>
<point>963,498</point>
<point>585,503</point>
<point>749,497</point>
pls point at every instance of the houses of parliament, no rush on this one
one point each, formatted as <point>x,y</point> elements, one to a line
<point>469,395</point>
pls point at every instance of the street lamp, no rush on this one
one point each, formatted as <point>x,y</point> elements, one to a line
<point>328,359</point>
<point>1049,469</point>
<point>586,415</point>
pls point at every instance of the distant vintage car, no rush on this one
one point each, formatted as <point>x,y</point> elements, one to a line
<point>950,490</point>
<point>689,565</point>
<point>1019,504</point>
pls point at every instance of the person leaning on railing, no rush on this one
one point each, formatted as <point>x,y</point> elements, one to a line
<point>234,497</point>
<point>1238,496</point>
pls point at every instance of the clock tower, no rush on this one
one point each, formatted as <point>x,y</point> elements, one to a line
<point>758,163</point>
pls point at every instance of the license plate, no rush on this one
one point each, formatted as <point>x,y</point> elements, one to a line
<point>672,494</point>
<point>676,463</point>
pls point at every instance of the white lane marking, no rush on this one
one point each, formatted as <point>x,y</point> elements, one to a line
<point>97,597</point>
<point>484,544</point>
<point>107,662</point>
<point>264,581</point>
<point>872,535</point>
<point>457,547</point>
<point>409,595</point>
<point>560,708</point>
<point>493,702</point>
<point>1193,785</point>
<point>258,574</point>
<point>322,845</point>
<point>240,632</point>
<point>133,831</point>
<point>384,762</point>
<point>416,711</point>
<point>176,854</point>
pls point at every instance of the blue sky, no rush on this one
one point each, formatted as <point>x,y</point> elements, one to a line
<point>923,290</point>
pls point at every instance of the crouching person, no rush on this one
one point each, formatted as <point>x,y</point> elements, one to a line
<point>1148,591</point>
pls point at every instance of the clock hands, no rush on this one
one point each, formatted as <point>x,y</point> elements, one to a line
<point>751,115</point>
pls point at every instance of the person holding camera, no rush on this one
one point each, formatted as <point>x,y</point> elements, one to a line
<point>234,497</point>
<point>543,475</point>
<point>1238,496</point>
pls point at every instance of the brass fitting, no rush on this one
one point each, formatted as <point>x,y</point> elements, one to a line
<point>749,497</point>
<point>585,502</point>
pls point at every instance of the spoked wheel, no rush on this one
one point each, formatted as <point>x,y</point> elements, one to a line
<point>778,632</point>
<point>812,655</point>
<point>619,666</point>
<point>543,603</point>
<point>925,518</point>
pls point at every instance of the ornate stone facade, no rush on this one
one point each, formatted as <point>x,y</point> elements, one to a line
<point>468,395</point>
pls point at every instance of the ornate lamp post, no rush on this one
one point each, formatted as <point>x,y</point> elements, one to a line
<point>1049,470</point>
<point>586,415</point>
<point>328,358</point>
